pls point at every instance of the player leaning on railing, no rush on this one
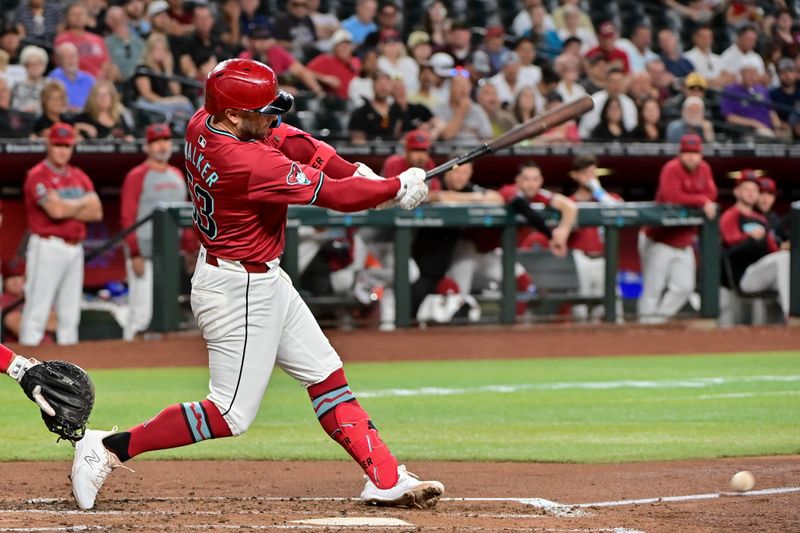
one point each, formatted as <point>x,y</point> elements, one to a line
<point>243,169</point>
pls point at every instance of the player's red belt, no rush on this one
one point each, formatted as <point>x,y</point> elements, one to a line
<point>253,268</point>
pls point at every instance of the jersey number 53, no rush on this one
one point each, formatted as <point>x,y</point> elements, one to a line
<point>203,212</point>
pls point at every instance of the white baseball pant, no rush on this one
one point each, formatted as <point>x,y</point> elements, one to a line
<point>668,279</point>
<point>252,322</point>
<point>771,272</point>
<point>53,277</point>
<point>591,284</point>
<point>140,300</point>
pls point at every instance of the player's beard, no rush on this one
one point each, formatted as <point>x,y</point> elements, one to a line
<point>251,129</point>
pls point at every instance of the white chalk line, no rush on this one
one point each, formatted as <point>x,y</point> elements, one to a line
<point>687,383</point>
<point>307,527</point>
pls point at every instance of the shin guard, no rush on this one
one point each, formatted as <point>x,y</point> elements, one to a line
<point>358,435</point>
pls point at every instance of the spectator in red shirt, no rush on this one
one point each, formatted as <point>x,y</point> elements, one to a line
<point>338,69</point>
<point>92,51</point>
<point>416,154</point>
<point>607,36</point>
<point>668,263</point>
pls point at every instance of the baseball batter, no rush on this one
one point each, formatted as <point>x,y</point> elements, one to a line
<point>668,264</point>
<point>242,174</point>
<point>59,201</point>
<point>144,187</point>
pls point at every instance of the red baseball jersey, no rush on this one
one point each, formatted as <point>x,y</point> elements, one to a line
<point>589,239</point>
<point>69,183</point>
<point>543,196</point>
<point>677,186</point>
<point>396,164</point>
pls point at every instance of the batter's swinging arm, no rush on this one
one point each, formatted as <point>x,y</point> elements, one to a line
<point>532,127</point>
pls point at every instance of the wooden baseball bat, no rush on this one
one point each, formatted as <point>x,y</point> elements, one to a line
<point>532,127</point>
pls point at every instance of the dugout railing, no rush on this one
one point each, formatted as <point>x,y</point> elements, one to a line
<point>168,219</point>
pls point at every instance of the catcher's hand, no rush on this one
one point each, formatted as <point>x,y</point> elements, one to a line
<point>62,390</point>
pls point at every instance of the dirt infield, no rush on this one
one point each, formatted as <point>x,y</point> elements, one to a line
<point>200,495</point>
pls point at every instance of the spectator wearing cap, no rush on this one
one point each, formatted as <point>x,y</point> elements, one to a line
<point>12,123</point>
<point>394,61</point>
<point>748,104</point>
<point>40,19</point>
<point>263,47</point>
<point>607,36</point>
<point>706,63</point>
<point>637,47</point>
<point>463,119</point>
<point>388,24</point>
<point>572,27</point>
<point>160,22</point>
<point>693,85</point>
<point>671,54</point>
<point>203,44</point>
<point>742,52</point>
<point>693,120</point>
<point>778,225</point>
<point>417,145</point>
<point>77,82</point>
<point>26,95</point>
<point>614,89</point>
<point>156,89</point>
<point>568,69</point>
<point>362,22</point>
<point>757,263</point>
<point>419,47</point>
<point>547,41</point>
<point>335,71</point>
<point>500,119</point>
<point>296,32</point>
<point>508,82</point>
<point>494,47</point>
<point>523,22</point>
<point>145,186</point>
<point>786,96</point>
<point>125,46</point>
<point>59,201</point>
<point>91,49</point>
<point>668,262</point>
<point>104,116</point>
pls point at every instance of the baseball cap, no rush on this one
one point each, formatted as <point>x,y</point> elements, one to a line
<point>691,143</point>
<point>61,134</point>
<point>495,31</point>
<point>156,132</point>
<point>442,64</point>
<point>261,33</point>
<point>342,36</point>
<point>417,38</point>
<point>767,184</point>
<point>695,79</point>
<point>748,174</point>
<point>786,63</point>
<point>606,29</point>
<point>418,140</point>
<point>159,6</point>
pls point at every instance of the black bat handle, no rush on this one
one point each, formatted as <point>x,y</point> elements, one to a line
<point>460,160</point>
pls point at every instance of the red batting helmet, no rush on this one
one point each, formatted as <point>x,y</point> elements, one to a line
<point>245,84</point>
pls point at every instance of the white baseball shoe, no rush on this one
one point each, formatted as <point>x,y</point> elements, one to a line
<point>409,491</point>
<point>92,465</point>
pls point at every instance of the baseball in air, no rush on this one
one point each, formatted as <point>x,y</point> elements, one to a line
<point>743,481</point>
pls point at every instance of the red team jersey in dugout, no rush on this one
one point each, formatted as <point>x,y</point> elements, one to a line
<point>241,191</point>
<point>71,183</point>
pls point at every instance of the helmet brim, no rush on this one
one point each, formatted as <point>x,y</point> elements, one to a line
<point>282,104</point>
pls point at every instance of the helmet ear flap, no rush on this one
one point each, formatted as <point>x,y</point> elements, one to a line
<point>282,103</point>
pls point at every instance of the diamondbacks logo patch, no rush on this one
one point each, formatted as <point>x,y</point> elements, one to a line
<point>201,141</point>
<point>297,176</point>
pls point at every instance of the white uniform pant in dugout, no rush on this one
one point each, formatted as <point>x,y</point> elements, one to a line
<point>140,300</point>
<point>771,272</point>
<point>252,322</point>
<point>668,279</point>
<point>53,277</point>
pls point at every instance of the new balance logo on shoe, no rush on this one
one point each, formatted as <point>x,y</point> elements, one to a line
<point>94,458</point>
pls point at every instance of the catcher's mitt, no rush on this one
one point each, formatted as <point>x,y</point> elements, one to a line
<point>68,390</point>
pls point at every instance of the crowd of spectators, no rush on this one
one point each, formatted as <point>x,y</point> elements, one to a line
<point>363,70</point>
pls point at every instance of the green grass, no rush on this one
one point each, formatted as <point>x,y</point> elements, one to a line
<point>560,410</point>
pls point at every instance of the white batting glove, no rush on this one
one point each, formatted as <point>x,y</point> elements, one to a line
<point>365,172</point>
<point>413,189</point>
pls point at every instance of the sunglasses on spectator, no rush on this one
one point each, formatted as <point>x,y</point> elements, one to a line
<point>464,73</point>
<point>697,88</point>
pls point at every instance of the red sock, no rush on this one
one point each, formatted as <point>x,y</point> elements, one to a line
<point>177,425</point>
<point>6,356</point>
<point>353,429</point>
